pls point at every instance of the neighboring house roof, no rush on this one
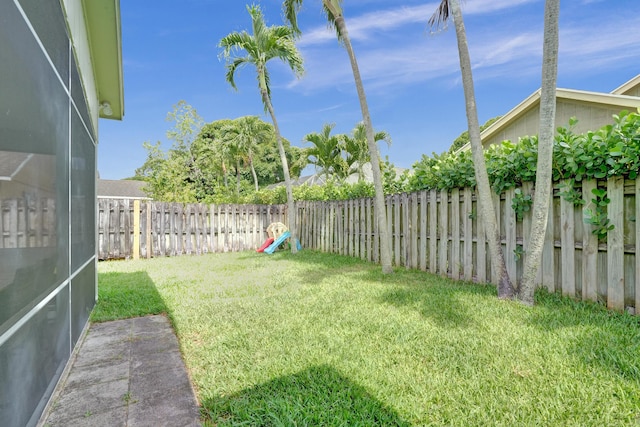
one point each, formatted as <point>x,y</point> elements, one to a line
<point>592,109</point>
<point>632,87</point>
<point>121,189</point>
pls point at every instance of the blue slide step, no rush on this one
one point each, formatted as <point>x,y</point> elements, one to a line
<point>277,242</point>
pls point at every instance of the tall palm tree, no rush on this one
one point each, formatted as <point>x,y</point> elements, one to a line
<point>325,152</point>
<point>265,44</point>
<point>247,134</point>
<point>446,9</point>
<point>335,16</point>
<point>545,150</point>
<point>357,151</point>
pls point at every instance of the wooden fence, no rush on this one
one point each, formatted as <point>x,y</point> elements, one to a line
<point>439,232</point>
<point>27,222</point>
<point>435,231</point>
<point>135,228</point>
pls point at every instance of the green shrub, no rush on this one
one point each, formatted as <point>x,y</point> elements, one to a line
<point>613,150</point>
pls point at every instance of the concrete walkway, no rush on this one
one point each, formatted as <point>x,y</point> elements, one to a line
<point>126,373</point>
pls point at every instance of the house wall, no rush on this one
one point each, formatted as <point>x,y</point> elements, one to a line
<point>48,270</point>
<point>590,117</point>
<point>633,92</point>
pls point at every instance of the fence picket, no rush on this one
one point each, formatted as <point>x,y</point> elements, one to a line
<point>468,235</point>
<point>615,244</point>
<point>568,247</point>
<point>443,226</point>
<point>455,263</point>
<point>589,249</point>
<point>433,231</point>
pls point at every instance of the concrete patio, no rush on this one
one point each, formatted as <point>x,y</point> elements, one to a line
<point>126,373</point>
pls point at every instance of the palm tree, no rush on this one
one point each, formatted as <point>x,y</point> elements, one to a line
<point>247,134</point>
<point>210,146</point>
<point>357,151</point>
<point>326,152</point>
<point>265,44</point>
<point>545,150</point>
<point>485,204</point>
<point>335,16</point>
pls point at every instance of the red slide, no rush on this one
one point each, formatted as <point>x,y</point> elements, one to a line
<point>265,245</point>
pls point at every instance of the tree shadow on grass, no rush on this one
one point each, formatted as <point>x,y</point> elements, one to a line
<point>318,396</point>
<point>594,335</point>
<point>126,295</point>
<point>440,299</point>
<point>444,301</point>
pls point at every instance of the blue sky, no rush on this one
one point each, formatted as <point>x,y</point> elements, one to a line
<point>411,76</point>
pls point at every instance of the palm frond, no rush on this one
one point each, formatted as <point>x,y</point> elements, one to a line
<point>233,66</point>
<point>290,10</point>
<point>441,16</point>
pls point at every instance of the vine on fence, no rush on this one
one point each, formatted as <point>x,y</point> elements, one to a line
<point>597,216</point>
<point>521,203</point>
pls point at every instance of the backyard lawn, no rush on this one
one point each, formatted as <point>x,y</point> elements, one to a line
<point>324,340</point>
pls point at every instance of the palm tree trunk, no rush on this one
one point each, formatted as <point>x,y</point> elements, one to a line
<point>487,211</point>
<point>291,208</point>
<point>237,177</point>
<point>545,150</point>
<point>224,175</point>
<point>255,176</point>
<point>379,204</point>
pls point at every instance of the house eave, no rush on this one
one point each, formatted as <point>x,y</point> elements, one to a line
<point>105,45</point>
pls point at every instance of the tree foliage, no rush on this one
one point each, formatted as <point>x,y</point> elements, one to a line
<point>341,155</point>
<point>197,168</point>
<point>463,138</point>
<point>612,150</point>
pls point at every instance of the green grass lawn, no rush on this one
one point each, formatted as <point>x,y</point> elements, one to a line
<point>323,340</point>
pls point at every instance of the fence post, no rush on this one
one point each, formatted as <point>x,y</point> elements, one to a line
<point>136,229</point>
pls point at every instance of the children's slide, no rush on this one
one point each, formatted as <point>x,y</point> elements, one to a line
<point>265,245</point>
<point>284,236</point>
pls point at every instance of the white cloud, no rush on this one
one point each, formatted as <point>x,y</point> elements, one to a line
<point>510,46</point>
<point>361,27</point>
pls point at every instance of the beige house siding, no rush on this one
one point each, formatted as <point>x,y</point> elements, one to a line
<point>527,124</point>
<point>633,92</point>
<point>590,117</point>
<point>592,109</point>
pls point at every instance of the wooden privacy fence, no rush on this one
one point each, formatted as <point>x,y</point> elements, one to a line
<point>435,231</point>
<point>142,228</point>
<point>27,222</point>
<point>440,232</point>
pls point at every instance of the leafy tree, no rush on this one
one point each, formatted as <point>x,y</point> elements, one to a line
<point>335,16</point>
<point>485,203</point>
<point>463,139</point>
<point>357,150</point>
<point>246,135</point>
<point>166,174</point>
<point>210,148</point>
<point>265,44</point>
<point>326,152</point>
<point>545,150</point>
